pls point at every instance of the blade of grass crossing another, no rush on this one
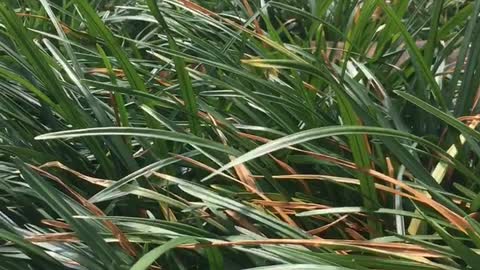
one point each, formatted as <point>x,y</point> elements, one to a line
<point>467,254</point>
<point>141,132</point>
<point>118,146</point>
<point>429,49</point>
<point>148,259</point>
<point>358,145</point>
<point>416,55</point>
<point>33,55</point>
<point>39,62</point>
<point>214,199</point>
<point>440,115</point>
<point>460,106</point>
<point>84,230</point>
<point>96,25</point>
<point>182,73</point>
<point>34,252</point>
<point>469,87</point>
<point>119,102</point>
<point>440,172</point>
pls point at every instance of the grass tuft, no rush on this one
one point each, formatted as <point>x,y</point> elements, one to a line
<point>217,134</point>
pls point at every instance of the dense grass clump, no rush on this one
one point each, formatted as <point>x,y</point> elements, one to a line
<point>235,134</point>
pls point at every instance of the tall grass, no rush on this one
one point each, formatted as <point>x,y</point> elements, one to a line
<point>239,134</point>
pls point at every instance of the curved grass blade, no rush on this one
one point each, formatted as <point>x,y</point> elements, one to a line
<point>140,132</point>
<point>148,259</point>
<point>109,192</point>
<point>440,115</point>
<point>213,198</point>
<point>317,133</point>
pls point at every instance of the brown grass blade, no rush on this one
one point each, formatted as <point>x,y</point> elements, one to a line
<point>291,170</point>
<point>53,237</point>
<point>397,249</point>
<point>328,226</point>
<point>116,232</point>
<point>452,217</point>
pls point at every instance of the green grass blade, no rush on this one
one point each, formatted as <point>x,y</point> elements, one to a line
<point>466,253</point>
<point>417,57</point>
<point>97,26</point>
<point>140,132</point>
<point>36,253</point>
<point>214,199</point>
<point>119,101</point>
<point>440,115</point>
<point>361,159</point>
<point>85,231</point>
<point>148,259</point>
<point>182,73</point>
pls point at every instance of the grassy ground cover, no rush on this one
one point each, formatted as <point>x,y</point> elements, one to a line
<point>235,134</point>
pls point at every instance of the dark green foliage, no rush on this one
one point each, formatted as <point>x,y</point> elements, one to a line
<point>139,134</point>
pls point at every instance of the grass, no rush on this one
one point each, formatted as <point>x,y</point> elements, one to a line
<point>239,134</point>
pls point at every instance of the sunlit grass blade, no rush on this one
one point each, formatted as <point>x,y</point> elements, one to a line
<point>140,132</point>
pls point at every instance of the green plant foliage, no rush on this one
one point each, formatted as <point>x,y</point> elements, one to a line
<point>239,134</point>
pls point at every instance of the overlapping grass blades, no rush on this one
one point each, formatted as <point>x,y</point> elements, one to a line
<point>288,134</point>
